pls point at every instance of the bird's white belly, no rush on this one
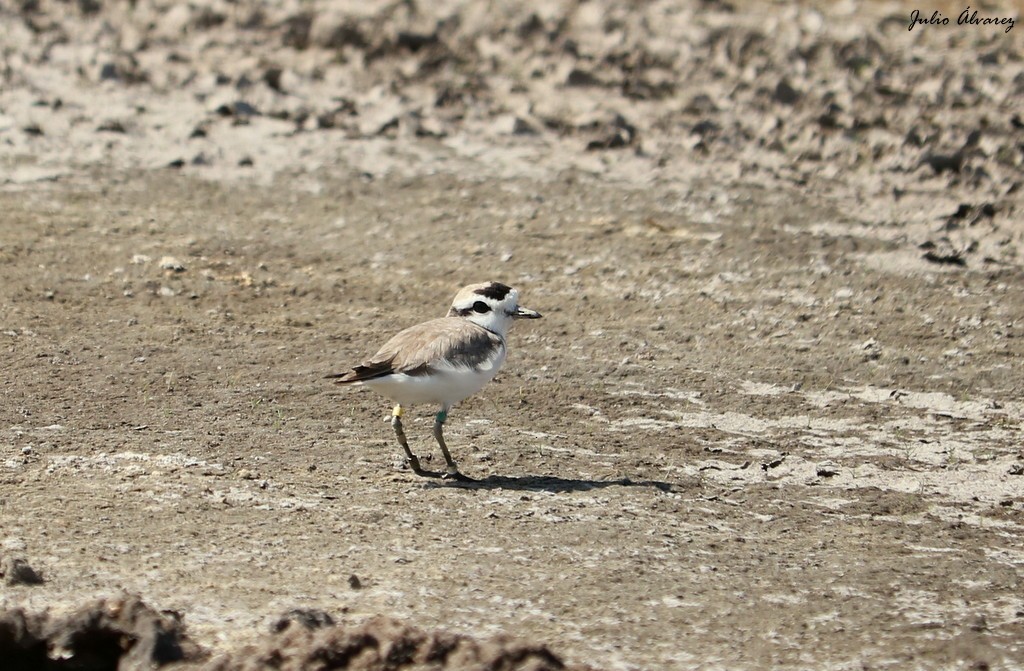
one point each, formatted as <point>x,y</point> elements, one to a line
<point>446,386</point>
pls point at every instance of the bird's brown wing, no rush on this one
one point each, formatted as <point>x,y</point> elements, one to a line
<point>418,349</point>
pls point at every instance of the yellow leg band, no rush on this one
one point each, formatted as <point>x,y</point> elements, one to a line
<point>397,412</point>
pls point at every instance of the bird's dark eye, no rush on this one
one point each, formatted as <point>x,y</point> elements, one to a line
<point>481,307</point>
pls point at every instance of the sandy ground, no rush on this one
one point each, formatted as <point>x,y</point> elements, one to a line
<point>771,419</point>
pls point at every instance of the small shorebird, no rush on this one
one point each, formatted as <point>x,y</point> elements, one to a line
<point>443,361</point>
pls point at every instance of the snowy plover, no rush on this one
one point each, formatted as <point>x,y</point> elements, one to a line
<point>443,361</point>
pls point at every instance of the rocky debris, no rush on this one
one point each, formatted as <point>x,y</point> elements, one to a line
<point>122,633</point>
<point>304,617</point>
<point>22,644</point>
<point>125,633</point>
<point>807,96</point>
<point>382,644</point>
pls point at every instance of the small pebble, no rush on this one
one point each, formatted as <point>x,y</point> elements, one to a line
<point>171,263</point>
<point>826,470</point>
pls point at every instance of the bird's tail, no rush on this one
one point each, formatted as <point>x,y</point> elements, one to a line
<point>340,378</point>
<point>361,373</point>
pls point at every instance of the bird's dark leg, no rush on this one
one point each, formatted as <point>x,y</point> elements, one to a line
<point>396,422</point>
<point>453,469</point>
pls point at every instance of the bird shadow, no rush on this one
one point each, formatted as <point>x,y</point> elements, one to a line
<point>550,483</point>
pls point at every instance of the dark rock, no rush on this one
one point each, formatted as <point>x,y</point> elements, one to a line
<point>786,94</point>
<point>415,41</point>
<point>16,571</point>
<point>239,108</point>
<point>579,77</point>
<point>826,470</point>
<point>109,71</point>
<point>521,126</point>
<point>242,108</point>
<point>272,78</point>
<point>705,127</point>
<point>941,163</point>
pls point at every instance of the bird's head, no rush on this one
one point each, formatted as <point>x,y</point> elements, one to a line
<point>492,305</point>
